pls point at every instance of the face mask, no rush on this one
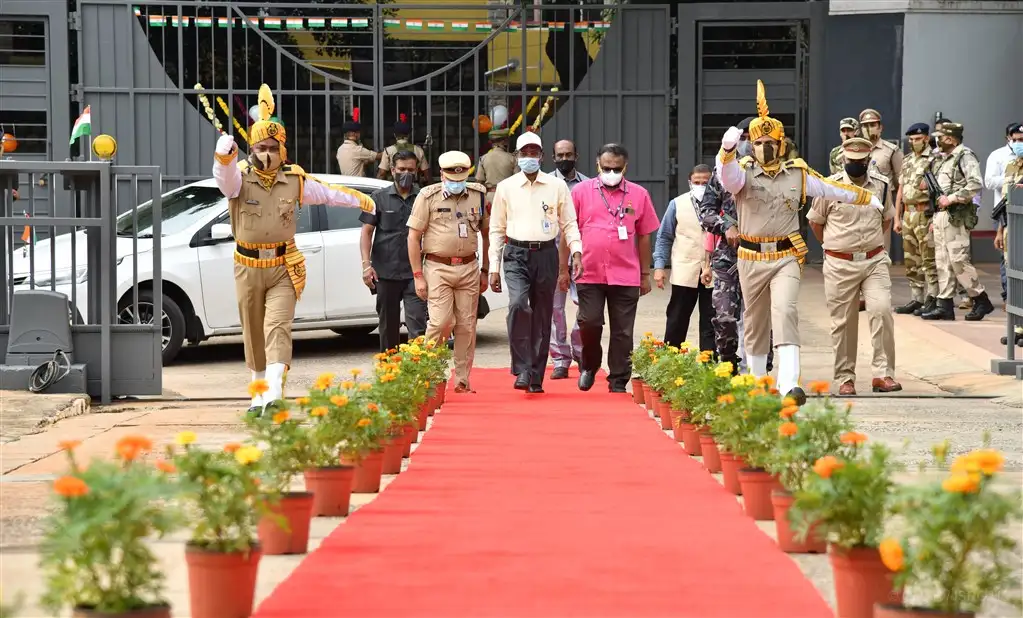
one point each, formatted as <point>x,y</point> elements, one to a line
<point>918,147</point>
<point>265,161</point>
<point>764,153</point>
<point>405,179</point>
<point>697,191</point>
<point>529,165</point>
<point>1017,148</point>
<point>873,132</point>
<point>565,166</point>
<point>611,179</point>
<point>454,187</point>
<point>744,148</point>
<point>856,169</point>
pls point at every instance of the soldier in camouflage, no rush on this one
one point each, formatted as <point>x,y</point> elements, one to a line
<point>913,215</point>
<point>847,127</point>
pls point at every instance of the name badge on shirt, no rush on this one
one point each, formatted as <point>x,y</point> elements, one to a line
<point>546,224</point>
<point>623,233</point>
<point>463,230</point>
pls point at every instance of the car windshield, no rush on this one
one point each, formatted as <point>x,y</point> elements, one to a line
<point>180,210</point>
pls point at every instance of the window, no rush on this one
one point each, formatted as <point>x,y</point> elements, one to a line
<point>346,218</point>
<point>179,211</point>
<point>22,42</point>
<point>29,128</point>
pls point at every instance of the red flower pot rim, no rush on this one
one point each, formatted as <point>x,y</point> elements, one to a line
<point>335,467</point>
<point>160,609</point>
<point>922,610</point>
<point>296,494</point>
<point>752,470</point>
<point>195,547</point>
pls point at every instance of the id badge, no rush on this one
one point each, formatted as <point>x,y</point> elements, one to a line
<point>623,233</point>
<point>546,225</point>
<point>463,230</point>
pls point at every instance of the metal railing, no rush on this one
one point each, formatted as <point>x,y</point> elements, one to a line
<point>74,249</point>
<point>1012,364</point>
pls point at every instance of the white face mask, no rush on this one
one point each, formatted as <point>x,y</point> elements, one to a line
<point>611,179</point>
<point>697,191</point>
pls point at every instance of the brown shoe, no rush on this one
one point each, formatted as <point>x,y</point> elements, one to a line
<point>848,389</point>
<point>462,387</point>
<point>885,385</point>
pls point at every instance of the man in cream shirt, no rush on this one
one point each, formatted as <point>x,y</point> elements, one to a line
<point>530,209</point>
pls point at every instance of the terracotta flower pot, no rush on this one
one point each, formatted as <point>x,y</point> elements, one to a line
<point>432,403</point>
<point>221,585</point>
<point>861,581</point>
<point>730,465</point>
<point>637,390</point>
<point>898,611</point>
<point>394,449</point>
<point>814,544</point>
<point>157,611</point>
<point>691,439</point>
<point>757,485</point>
<point>709,448</point>
<point>648,397</point>
<point>411,437</point>
<point>368,471</point>
<point>424,415</point>
<point>676,424</point>
<point>664,411</point>
<point>332,490</point>
<point>442,390</point>
<point>288,531</point>
<point>654,404</point>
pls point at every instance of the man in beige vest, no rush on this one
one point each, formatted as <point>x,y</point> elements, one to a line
<point>402,130</point>
<point>855,262</point>
<point>680,243</point>
<point>352,156</point>
<point>269,271</point>
<point>497,164</point>
<point>447,221</point>
<point>768,193</point>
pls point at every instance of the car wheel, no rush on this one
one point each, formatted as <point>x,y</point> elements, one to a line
<point>354,331</point>
<point>172,321</point>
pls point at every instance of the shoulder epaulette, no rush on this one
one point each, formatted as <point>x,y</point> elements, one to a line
<point>476,186</point>
<point>797,162</point>
<point>746,162</point>
<point>429,190</point>
<point>836,177</point>
<point>873,173</point>
<point>892,143</point>
<point>294,170</point>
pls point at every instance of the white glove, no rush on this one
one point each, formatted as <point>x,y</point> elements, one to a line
<point>876,203</point>
<point>731,138</point>
<point>225,145</point>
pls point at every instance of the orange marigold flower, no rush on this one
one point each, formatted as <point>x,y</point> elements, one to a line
<point>258,387</point>
<point>961,483</point>
<point>853,437</point>
<point>69,445</point>
<point>788,429</point>
<point>130,447</point>
<point>415,359</point>
<point>280,417</point>
<point>773,391</point>
<point>765,381</point>
<point>232,447</point>
<point>347,384</point>
<point>165,466</point>
<point>892,555</point>
<point>788,402</point>
<point>372,407</point>
<point>70,487</point>
<point>788,412</point>
<point>426,384</point>
<point>819,386</point>
<point>826,466</point>
<point>726,398</point>
<point>381,356</point>
<point>989,461</point>
<point>757,392</point>
<point>364,422</point>
<point>321,410</point>
<point>339,400</point>
<point>356,372</point>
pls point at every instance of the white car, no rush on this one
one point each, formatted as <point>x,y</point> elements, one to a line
<point>199,299</point>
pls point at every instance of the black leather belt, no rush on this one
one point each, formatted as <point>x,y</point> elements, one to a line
<point>532,245</point>
<point>261,254</point>
<point>779,245</point>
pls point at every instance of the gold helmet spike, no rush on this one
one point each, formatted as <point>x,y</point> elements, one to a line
<point>762,109</point>
<point>266,102</point>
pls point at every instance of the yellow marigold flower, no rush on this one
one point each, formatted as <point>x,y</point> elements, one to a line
<point>988,460</point>
<point>789,402</point>
<point>680,381</point>
<point>724,369</point>
<point>321,384</point>
<point>356,372</point>
<point>303,401</point>
<point>247,454</point>
<point>765,381</point>
<point>380,356</point>
<point>347,384</point>
<point>364,422</point>
<point>853,437</point>
<point>726,399</point>
<point>892,555</point>
<point>743,380</point>
<point>339,400</point>
<point>318,411</point>
<point>648,334</point>
<point>787,430</point>
<point>431,355</point>
<point>185,438</point>
<point>258,387</point>
<point>387,377</point>
<point>961,483</point>
<point>280,417</point>
<point>365,387</point>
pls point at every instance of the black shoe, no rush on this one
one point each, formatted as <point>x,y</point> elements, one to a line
<point>798,394</point>
<point>522,382</point>
<point>929,305</point>
<point>616,388</point>
<point>981,307</point>
<point>535,388</point>
<point>559,373</point>
<point>586,380</point>
<point>1018,339</point>
<point>944,310</point>
<point>909,307</point>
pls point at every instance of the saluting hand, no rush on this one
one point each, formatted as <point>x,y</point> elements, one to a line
<point>495,282</point>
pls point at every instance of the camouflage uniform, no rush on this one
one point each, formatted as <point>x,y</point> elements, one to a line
<point>836,162</point>
<point>917,239</point>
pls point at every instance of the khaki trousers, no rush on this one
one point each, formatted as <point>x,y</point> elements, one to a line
<point>844,281</point>
<point>770,293</point>
<point>952,258</point>
<point>453,295</point>
<point>266,305</point>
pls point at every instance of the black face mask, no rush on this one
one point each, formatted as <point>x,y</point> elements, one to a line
<point>856,169</point>
<point>405,179</point>
<point>565,166</point>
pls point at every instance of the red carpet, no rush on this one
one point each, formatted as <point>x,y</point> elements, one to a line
<point>543,506</point>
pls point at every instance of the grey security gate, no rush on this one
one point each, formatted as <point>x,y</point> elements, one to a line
<point>1012,364</point>
<point>117,322</point>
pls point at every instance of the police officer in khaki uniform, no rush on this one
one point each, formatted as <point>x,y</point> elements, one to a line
<point>913,221</point>
<point>269,271</point>
<point>855,262</point>
<point>497,164</point>
<point>352,156</point>
<point>847,127</point>
<point>445,252</point>
<point>402,130</point>
<point>885,156</point>
<point>768,192</point>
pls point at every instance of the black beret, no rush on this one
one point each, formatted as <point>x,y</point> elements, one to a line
<point>920,128</point>
<point>402,128</point>
<point>744,125</point>
<point>351,126</point>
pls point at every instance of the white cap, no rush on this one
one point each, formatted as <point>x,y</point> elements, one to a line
<point>526,139</point>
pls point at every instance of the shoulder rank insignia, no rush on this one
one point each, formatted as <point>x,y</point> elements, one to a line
<point>475,186</point>
<point>293,170</point>
<point>433,189</point>
<point>797,163</point>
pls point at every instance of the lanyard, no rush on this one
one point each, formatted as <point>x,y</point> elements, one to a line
<point>620,212</point>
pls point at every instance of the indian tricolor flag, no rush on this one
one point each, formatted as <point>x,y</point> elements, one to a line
<point>83,126</point>
<point>435,25</point>
<point>157,20</point>
<point>392,23</point>
<point>601,25</point>
<point>225,22</point>
<point>295,23</point>
<point>556,25</point>
<point>460,26</point>
<point>204,22</point>
<point>317,22</point>
<point>339,23</point>
<point>178,21</point>
<point>360,23</point>
<point>413,24</point>
<point>480,27</point>
<point>582,26</point>
<point>271,22</point>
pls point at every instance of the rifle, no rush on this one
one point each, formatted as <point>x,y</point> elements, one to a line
<point>998,212</point>
<point>933,192</point>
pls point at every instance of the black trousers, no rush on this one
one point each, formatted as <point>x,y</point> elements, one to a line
<point>621,302</point>
<point>680,311</point>
<point>531,277</point>
<point>391,293</point>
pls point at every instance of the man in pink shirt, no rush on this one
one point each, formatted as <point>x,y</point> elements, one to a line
<point>616,220</point>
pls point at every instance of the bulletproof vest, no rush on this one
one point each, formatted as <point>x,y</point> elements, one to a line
<point>262,216</point>
<point>770,206</point>
<point>913,169</point>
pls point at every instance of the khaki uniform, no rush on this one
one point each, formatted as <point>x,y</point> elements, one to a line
<point>917,238</point>
<point>453,288</point>
<point>958,175</point>
<point>886,158</point>
<point>855,262</point>
<point>353,158</point>
<point>390,151</point>
<point>1013,177</point>
<point>494,167</point>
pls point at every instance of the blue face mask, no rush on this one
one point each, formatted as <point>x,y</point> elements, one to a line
<point>529,165</point>
<point>1017,148</point>
<point>454,187</point>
